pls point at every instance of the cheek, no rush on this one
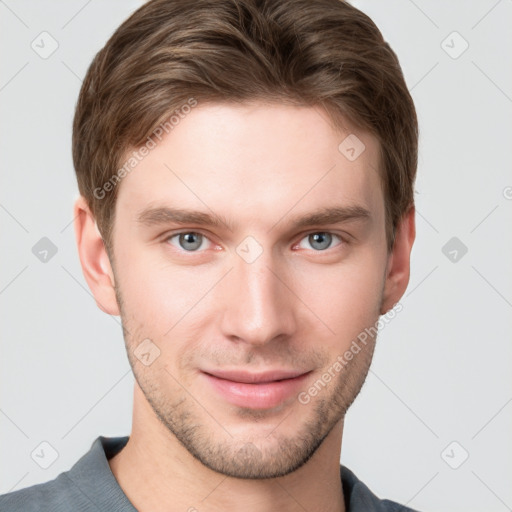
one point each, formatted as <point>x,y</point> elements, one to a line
<point>158,304</point>
<point>160,298</point>
<point>346,297</point>
<point>152,294</point>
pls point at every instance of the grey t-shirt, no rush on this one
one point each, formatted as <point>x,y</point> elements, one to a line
<point>90,486</point>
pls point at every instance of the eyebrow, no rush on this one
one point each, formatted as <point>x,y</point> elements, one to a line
<point>323,216</point>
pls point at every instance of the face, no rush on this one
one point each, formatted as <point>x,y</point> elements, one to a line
<point>249,253</point>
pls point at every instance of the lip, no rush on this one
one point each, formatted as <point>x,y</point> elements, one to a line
<point>263,390</point>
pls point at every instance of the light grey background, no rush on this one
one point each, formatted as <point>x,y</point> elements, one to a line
<point>442,368</point>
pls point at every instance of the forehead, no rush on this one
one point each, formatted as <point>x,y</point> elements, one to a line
<point>259,157</point>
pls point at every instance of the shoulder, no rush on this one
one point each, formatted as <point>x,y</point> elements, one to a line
<point>88,486</point>
<point>55,496</point>
<point>359,498</point>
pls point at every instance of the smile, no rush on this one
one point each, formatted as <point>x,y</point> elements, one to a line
<point>256,391</point>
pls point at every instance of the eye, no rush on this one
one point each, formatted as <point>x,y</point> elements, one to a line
<point>320,241</point>
<point>189,241</point>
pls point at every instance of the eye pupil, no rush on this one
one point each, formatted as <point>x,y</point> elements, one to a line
<point>190,241</point>
<point>323,239</point>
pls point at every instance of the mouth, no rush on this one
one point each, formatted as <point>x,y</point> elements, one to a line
<point>264,390</point>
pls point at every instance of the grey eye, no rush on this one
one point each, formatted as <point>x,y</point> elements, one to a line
<point>320,241</point>
<point>189,241</point>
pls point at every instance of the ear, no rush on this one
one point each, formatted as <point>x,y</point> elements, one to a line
<point>94,258</point>
<point>398,268</point>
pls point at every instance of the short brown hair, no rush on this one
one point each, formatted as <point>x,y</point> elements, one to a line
<point>322,53</point>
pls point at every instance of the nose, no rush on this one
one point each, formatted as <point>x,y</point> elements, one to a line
<point>258,305</point>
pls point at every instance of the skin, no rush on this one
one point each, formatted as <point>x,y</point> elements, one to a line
<point>299,305</point>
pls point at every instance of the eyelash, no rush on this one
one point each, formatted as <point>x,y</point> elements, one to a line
<point>342,240</point>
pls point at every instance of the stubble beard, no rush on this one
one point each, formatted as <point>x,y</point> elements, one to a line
<point>269,456</point>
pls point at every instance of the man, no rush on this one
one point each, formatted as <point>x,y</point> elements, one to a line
<point>246,171</point>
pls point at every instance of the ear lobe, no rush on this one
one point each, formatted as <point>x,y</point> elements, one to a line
<point>398,269</point>
<point>94,258</point>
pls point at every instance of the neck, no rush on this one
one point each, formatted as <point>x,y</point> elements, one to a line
<point>157,473</point>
